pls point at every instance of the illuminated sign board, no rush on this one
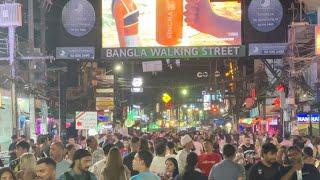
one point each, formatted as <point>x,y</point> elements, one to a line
<point>144,29</point>
<point>304,118</point>
<point>317,37</point>
<point>173,52</point>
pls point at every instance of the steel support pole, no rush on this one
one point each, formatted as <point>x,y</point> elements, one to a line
<point>14,106</point>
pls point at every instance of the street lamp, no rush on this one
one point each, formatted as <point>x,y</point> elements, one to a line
<point>118,67</point>
<point>184,92</point>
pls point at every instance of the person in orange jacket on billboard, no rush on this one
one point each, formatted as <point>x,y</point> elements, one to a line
<point>126,15</point>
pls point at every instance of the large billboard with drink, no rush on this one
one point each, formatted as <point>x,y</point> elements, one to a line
<point>173,23</point>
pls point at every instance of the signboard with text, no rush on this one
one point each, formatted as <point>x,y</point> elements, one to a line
<point>104,103</point>
<point>267,49</point>
<point>167,29</point>
<point>75,53</point>
<point>173,52</point>
<point>86,120</point>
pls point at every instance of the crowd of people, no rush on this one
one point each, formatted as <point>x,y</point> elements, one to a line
<point>189,155</point>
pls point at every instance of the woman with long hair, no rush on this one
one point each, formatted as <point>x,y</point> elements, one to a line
<point>28,164</point>
<point>7,173</point>
<point>172,169</point>
<point>190,171</point>
<point>115,170</point>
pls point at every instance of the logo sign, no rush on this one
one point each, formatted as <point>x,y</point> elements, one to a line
<point>137,90</point>
<point>78,17</point>
<point>75,53</point>
<point>265,49</point>
<point>173,52</point>
<point>304,118</point>
<point>265,15</point>
<point>202,74</point>
<point>86,120</point>
<point>317,37</point>
<point>137,82</point>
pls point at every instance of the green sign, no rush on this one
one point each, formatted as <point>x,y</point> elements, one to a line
<point>173,52</point>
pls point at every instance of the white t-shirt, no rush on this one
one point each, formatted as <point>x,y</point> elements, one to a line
<point>158,165</point>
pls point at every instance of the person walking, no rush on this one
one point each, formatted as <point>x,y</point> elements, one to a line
<point>98,167</point>
<point>187,144</point>
<point>158,162</point>
<point>21,148</point>
<point>46,169</point>
<point>80,167</point>
<point>7,174</point>
<point>190,172</point>
<point>27,167</point>
<point>268,168</point>
<point>94,149</point>
<point>57,154</point>
<point>128,160</point>
<point>227,169</point>
<point>208,159</point>
<point>172,169</point>
<point>141,163</point>
<point>114,169</point>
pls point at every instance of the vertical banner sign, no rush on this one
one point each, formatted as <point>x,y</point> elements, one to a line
<point>317,38</point>
<point>86,120</point>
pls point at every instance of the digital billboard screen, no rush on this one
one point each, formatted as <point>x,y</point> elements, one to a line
<point>170,23</point>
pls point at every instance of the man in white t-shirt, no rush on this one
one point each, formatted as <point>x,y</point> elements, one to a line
<point>158,164</point>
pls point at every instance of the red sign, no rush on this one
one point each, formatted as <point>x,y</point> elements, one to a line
<point>317,37</point>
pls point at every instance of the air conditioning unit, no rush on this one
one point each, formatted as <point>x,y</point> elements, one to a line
<point>10,14</point>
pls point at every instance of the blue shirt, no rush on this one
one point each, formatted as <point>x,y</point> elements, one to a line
<point>145,176</point>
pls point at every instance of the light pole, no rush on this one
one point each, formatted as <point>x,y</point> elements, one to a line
<point>11,17</point>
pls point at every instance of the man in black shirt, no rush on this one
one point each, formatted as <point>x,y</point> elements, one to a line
<point>21,148</point>
<point>248,153</point>
<point>12,147</point>
<point>135,147</point>
<point>297,169</point>
<point>268,168</point>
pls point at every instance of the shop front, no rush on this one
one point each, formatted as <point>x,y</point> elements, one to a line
<point>270,125</point>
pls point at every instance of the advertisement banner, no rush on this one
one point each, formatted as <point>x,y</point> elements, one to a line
<point>265,21</point>
<point>154,23</point>
<point>317,38</point>
<point>173,52</point>
<point>74,23</point>
<point>86,120</point>
<point>267,49</point>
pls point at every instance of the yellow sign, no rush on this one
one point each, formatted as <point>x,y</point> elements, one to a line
<point>166,98</point>
<point>317,37</point>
